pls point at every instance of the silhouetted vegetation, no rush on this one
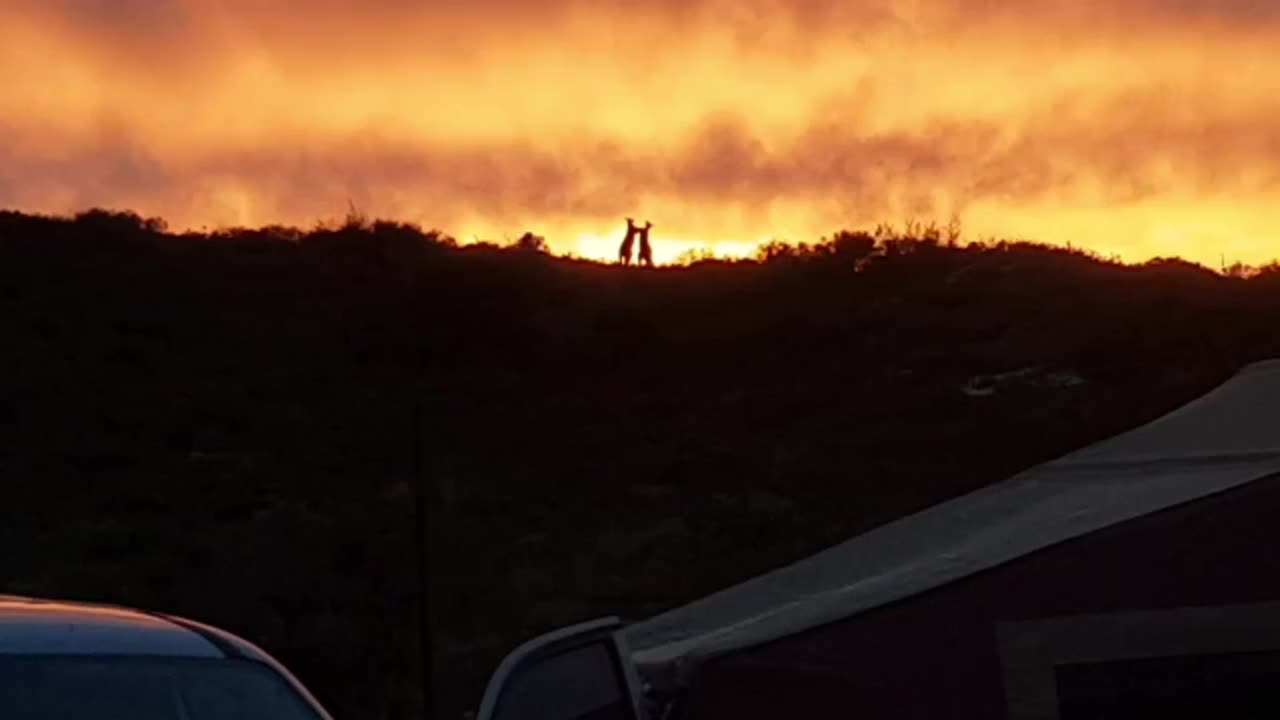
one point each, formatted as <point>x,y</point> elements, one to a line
<point>220,425</point>
<point>530,243</point>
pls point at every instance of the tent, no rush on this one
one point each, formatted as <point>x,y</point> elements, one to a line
<point>1093,584</point>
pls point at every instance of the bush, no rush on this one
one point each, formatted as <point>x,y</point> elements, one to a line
<point>531,243</point>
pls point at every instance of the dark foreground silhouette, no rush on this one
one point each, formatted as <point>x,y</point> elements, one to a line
<point>628,242</point>
<point>635,232</point>
<point>221,425</point>
<point>646,250</point>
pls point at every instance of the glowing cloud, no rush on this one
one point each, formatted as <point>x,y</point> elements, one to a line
<point>1144,130</point>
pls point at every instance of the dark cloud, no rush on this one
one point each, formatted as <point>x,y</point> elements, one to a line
<point>122,23</point>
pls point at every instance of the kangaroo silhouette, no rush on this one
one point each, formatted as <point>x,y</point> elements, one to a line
<point>646,250</point>
<point>624,252</point>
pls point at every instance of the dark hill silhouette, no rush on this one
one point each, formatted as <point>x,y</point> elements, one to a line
<point>220,424</point>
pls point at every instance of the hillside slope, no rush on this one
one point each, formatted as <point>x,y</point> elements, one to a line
<point>222,426</point>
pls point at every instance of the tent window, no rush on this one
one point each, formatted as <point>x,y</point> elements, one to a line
<point>1172,664</point>
<point>1241,686</point>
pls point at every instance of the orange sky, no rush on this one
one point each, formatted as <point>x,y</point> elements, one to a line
<point>1144,127</point>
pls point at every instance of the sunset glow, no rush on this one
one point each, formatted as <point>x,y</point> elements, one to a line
<point>1142,131</point>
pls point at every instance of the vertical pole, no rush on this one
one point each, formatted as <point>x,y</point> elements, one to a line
<point>426,643</point>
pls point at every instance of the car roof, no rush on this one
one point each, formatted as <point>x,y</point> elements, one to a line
<point>36,626</point>
<point>32,626</point>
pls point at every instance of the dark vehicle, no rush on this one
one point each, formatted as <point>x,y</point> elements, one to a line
<point>74,661</point>
<point>582,672</point>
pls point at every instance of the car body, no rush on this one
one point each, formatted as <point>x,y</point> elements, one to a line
<point>76,660</point>
<point>581,672</point>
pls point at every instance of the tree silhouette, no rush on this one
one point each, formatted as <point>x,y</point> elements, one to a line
<point>852,247</point>
<point>529,242</point>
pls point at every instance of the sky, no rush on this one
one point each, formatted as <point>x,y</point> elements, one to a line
<point>1140,128</point>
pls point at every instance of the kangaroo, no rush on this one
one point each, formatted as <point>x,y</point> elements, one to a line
<point>646,250</point>
<point>624,252</point>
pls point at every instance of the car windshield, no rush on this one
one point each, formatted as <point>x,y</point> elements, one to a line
<point>145,688</point>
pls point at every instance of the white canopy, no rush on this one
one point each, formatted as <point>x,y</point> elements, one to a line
<point>1222,440</point>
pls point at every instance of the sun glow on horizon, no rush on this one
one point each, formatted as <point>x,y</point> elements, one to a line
<point>1142,131</point>
<point>666,250</point>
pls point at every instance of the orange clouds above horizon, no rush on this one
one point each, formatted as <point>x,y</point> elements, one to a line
<point>1144,130</point>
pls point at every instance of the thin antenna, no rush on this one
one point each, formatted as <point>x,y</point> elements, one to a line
<point>422,552</point>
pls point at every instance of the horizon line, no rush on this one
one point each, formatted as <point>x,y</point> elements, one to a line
<point>695,250</point>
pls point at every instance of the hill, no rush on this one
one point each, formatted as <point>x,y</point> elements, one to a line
<point>222,425</point>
